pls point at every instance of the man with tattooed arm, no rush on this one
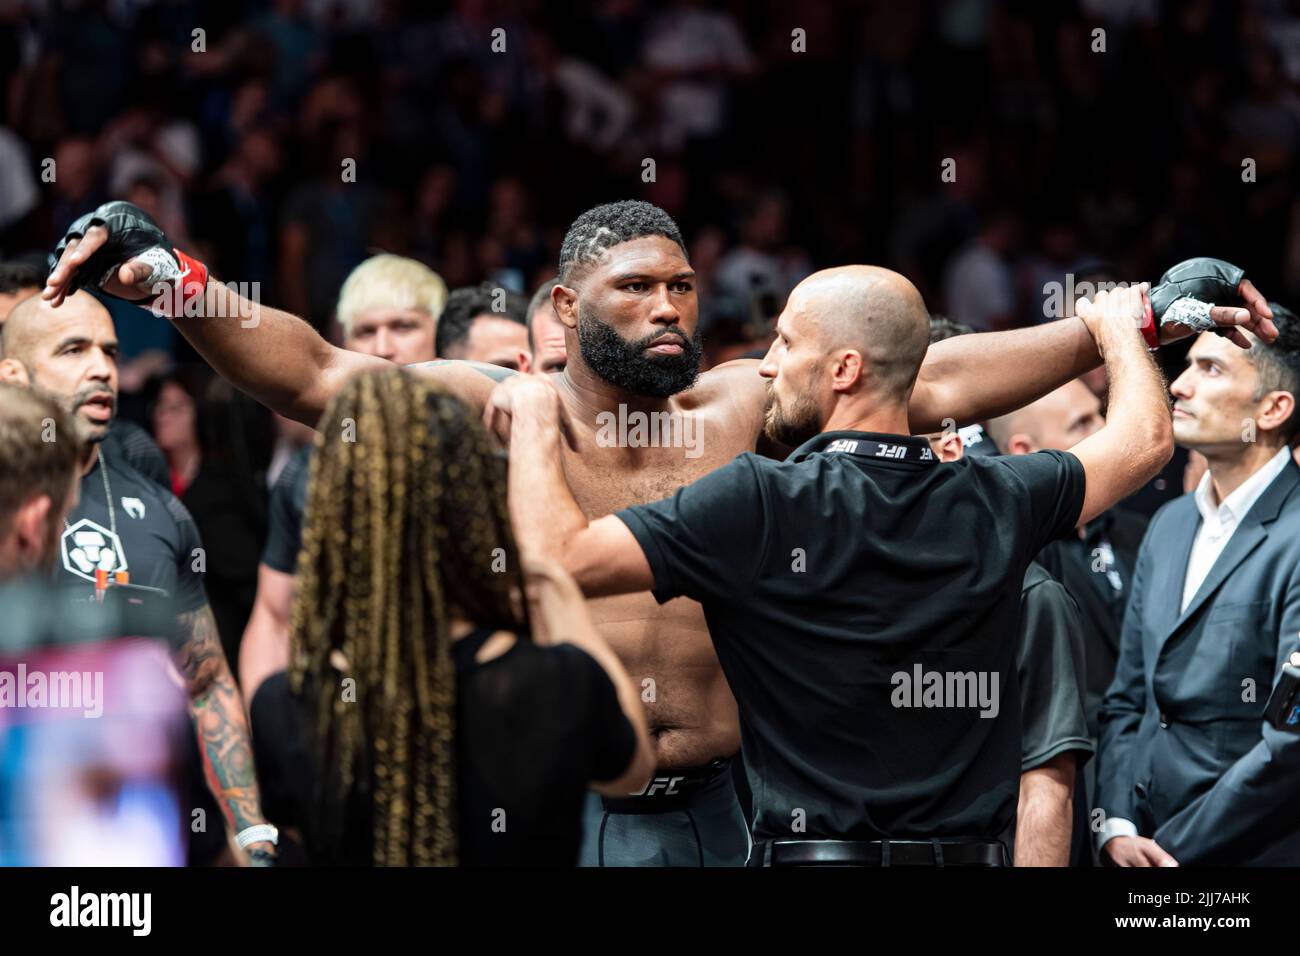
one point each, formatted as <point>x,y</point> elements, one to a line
<point>126,529</point>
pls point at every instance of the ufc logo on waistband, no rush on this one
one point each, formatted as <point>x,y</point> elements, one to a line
<point>667,785</point>
<point>842,444</point>
<point>891,451</point>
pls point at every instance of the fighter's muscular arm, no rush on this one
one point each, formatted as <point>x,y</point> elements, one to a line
<point>275,357</point>
<point>219,721</point>
<point>284,363</point>
<point>972,378</point>
<point>969,378</point>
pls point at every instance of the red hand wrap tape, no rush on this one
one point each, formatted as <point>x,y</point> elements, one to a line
<point>1149,330</point>
<point>194,281</point>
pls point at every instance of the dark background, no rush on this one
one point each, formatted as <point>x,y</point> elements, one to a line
<point>774,162</point>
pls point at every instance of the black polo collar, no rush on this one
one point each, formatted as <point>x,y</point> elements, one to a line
<point>872,446</point>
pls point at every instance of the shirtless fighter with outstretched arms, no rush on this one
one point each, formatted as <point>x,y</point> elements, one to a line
<point>627,299</point>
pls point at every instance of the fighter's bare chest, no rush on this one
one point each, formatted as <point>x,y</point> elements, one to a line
<point>605,480</point>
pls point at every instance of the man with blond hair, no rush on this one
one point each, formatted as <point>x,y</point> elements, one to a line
<point>388,306</point>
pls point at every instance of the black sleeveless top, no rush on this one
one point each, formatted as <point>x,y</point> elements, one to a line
<point>534,727</point>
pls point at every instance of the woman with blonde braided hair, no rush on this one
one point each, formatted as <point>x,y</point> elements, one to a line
<point>439,732</point>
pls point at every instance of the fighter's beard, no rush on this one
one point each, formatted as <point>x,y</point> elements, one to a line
<point>625,365</point>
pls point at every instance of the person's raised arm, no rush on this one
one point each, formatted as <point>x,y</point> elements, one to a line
<point>602,555</point>
<point>275,357</point>
<point>972,378</point>
<point>1137,439</point>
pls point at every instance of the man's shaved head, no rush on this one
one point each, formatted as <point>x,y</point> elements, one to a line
<point>875,311</point>
<point>850,340</point>
<point>33,321</point>
<point>19,333</point>
<point>68,354</point>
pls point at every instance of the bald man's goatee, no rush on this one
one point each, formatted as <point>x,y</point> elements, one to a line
<point>790,426</point>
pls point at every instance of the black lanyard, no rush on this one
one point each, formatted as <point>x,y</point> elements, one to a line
<point>877,450</point>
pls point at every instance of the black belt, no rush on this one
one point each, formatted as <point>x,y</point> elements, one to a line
<point>938,852</point>
<point>670,790</point>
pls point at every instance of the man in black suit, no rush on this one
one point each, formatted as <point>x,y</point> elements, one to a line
<point>1188,771</point>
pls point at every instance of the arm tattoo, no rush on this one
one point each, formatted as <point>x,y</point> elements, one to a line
<point>497,373</point>
<point>219,721</point>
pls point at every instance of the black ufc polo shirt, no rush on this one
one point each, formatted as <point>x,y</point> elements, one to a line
<point>863,600</point>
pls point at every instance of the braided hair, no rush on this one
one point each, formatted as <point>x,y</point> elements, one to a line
<point>406,528</point>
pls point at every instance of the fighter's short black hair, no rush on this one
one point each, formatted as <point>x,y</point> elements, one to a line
<point>466,304</point>
<point>1278,363</point>
<point>605,226</point>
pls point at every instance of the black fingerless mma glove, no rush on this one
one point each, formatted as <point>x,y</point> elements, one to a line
<point>1185,293</point>
<point>130,233</point>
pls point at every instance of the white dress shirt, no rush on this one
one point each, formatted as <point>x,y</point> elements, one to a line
<point>1217,525</point>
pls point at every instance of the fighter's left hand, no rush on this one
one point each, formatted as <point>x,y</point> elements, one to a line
<point>1257,317</point>
<point>1214,282</point>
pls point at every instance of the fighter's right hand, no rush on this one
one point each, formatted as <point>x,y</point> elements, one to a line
<point>120,250</point>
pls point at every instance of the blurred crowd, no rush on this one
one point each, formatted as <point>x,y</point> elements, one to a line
<point>285,140</point>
